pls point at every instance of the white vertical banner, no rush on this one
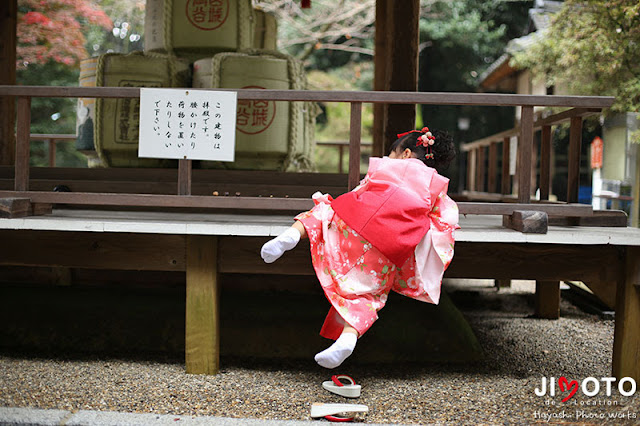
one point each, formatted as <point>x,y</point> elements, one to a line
<point>187,124</point>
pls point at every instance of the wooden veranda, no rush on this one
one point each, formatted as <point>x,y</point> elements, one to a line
<point>169,232</point>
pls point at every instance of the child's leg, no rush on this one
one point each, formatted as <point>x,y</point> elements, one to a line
<point>343,347</point>
<point>272,250</point>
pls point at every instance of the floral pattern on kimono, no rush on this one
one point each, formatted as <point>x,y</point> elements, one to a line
<point>356,277</point>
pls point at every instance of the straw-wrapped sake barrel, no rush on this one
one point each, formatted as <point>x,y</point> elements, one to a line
<point>265,32</point>
<point>198,28</point>
<point>269,135</point>
<point>110,126</point>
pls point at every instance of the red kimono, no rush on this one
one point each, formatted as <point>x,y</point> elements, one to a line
<point>393,232</point>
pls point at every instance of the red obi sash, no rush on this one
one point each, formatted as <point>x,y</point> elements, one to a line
<point>391,209</point>
<point>393,220</point>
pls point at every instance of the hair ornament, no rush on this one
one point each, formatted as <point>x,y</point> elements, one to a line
<point>425,139</point>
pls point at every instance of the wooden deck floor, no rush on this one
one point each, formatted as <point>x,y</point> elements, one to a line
<point>474,228</point>
<point>607,259</point>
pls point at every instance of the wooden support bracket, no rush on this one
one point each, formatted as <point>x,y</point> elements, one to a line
<point>11,208</point>
<point>14,207</point>
<point>527,221</point>
<point>547,299</point>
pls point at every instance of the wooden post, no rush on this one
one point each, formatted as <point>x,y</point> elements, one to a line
<point>23,139</point>
<point>402,65</point>
<point>493,168</point>
<point>202,334</point>
<point>184,177</point>
<point>503,283</point>
<point>380,76</point>
<point>573,159</point>
<point>525,150</point>
<point>545,162</point>
<point>480,169</point>
<point>355,127</point>
<point>547,303</point>
<point>8,25</point>
<point>471,170</point>
<point>626,340</point>
<point>506,155</point>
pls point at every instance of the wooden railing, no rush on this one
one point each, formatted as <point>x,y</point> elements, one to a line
<point>183,198</point>
<point>52,140</point>
<point>477,158</point>
<point>341,145</point>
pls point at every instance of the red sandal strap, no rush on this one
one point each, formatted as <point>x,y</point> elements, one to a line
<point>336,379</point>
<point>338,418</point>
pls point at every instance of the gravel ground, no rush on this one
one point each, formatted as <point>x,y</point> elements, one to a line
<point>519,351</point>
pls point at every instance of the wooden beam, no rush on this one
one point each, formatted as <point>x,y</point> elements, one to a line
<point>506,134</point>
<point>547,299</point>
<point>169,188</point>
<point>506,156</point>
<point>566,115</point>
<point>355,130</point>
<point>573,159</point>
<point>171,175</point>
<point>471,170</point>
<point>8,42</point>
<point>202,334</point>
<point>266,203</point>
<point>626,340</point>
<point>390,97</point>
<point>184,177</point>
<point>238,255</point>
<point>608,218</point>
<point>493,168</point>
<point>502,284</point>
<point>402,65</point>
<point>380,75</point>
<point>538,124</point>
<point>545,162</point>
<point>23,141</point>
<point>544,262</point>
<point>100,250</point>
<point>480,169</point>
<point>525,152</point>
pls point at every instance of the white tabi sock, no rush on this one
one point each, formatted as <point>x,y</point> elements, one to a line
<point>335,354</point>
<point>272,250</point>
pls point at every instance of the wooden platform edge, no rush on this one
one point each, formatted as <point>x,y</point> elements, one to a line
<point>604,218</point>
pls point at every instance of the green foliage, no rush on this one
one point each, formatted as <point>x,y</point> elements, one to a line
<point>461,38</point>
<point>333,123</point>
<point>592,47</point>
<point>52,115</point>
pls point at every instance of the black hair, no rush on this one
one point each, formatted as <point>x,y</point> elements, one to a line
<point>444,151</point>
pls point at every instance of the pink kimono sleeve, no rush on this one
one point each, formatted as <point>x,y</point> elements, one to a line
<point>421,276</point>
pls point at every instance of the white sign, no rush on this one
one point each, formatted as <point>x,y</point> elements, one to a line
<point>187,124</point>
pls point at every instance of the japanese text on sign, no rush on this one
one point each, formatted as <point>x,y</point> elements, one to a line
<point>187,124</point>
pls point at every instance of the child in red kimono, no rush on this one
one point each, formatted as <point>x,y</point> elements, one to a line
<point>395,231</point>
